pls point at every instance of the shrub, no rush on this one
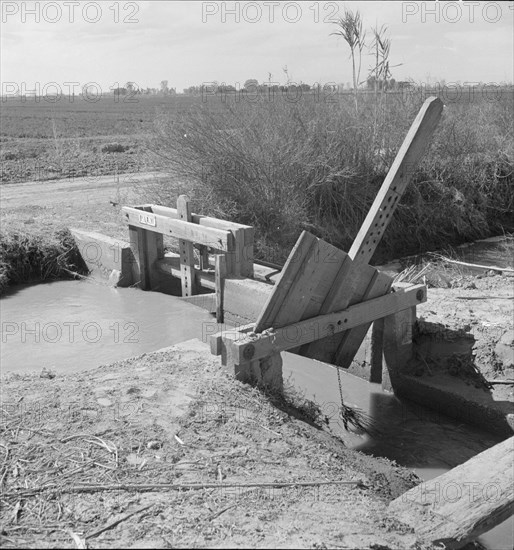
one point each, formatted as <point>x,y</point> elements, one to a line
<point>317,165</point>
<point>25,257</point>
<point>115,148</point>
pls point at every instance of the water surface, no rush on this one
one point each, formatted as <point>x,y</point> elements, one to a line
<point>70,326</point>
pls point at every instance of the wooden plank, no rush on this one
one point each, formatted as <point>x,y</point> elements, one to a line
<point>216,340</point>
<point>241,261</point>
<point>205,221</point>
<point>234,256</point>
<point>252,346</point>
<point>138,246</point>
<point>352,340</point>
<point>377,350</point>
<point>220,274</point>
<point>186,251</point>
<point>154,252</point>
<point>247,252</point>
<point>344,290</point>
<point>203,252</point>
<point>398,346</point>
<point>412,149</point>
<point>349,287</point>
<point>243,236</point>
<point>460,505</point>
<point>214,238</point>
<point>294,269</point>
<point>170,265</point>
<point>303,283</point>
<point>265,372</point>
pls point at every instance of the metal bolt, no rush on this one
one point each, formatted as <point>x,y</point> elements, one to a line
<point>249,352</point>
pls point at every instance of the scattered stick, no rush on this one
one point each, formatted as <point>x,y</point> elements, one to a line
<point>169,487</point>
<point>222,511</point>
<point>484,297</point>
<point>117,521</point>
<point>477,266</point>
<point>507,382</point>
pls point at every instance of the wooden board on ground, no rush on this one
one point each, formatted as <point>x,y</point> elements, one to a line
<point>458,506</point>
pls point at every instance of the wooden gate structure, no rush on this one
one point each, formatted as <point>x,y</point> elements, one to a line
<point>321,303</point>
<point>325,300</point>
<point>148,224</point>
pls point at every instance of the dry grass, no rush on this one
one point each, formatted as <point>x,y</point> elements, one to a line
<point>284,166</point>
<point>27,257</point>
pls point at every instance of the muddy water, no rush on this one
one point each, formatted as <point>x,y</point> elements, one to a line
<point>69,326</point>
<point>72,326</point>
<point>422,440</point>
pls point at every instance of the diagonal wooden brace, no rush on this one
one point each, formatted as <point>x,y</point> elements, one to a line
<point>243,346</point>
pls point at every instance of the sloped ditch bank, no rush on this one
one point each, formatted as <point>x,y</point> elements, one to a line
<point>100,398</point>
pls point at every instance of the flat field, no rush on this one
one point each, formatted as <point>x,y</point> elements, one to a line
<point>43,139</point>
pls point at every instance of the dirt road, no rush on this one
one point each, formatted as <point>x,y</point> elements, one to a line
<point>88,190</point>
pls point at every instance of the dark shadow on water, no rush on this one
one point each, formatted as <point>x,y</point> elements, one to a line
<point>417,437</point>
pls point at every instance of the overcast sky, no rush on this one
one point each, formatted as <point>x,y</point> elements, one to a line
<point>194,42</point>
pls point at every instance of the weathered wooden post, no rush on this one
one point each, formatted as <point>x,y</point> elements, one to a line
<point>187,254</point>
<point>341,349</point>
<point>398,346</point>
<point>220,272</point>
<point>147,247</point>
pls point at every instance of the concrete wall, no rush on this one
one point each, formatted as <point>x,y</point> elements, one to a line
<point>105,257</point>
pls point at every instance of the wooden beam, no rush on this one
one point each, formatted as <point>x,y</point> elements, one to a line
<point>170,264</point>
<point>186,251</point>
<point>204,221</point>
<point>216,340</point>
<point>460,505</point>
<point>377,351</point>
<point>215,238</point>
<point>220,274</point>
<point>138,246</point>
<point>203,251</point>
<point>413,147</point>
<point>352,340</point>
<point>245,346</point>
<point>398,347</point>
<point>366,282</point>
<point>301,274</point>
<point>344,290</point>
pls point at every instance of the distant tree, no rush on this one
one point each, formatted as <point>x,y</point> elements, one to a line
<point>224,88</point>
<point>164,87</point>
<point>251,85</point>
<point>192,90</point>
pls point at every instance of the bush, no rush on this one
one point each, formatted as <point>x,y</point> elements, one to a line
<point>115,148</point>
<point>25,257</point>
<point>317,165</point>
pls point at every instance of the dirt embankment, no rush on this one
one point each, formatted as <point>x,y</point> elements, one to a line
<point>74,447</point>
<point>467,331</point>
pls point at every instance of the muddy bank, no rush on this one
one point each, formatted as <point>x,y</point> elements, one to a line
<point>464,361</point>
<point>74,446</point>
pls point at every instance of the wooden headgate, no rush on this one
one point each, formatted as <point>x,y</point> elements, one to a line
<point>325,300</point>
<point>230,243</point>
